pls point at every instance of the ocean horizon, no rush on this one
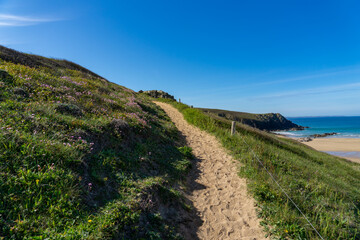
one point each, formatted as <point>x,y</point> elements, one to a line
<point>346,127</point>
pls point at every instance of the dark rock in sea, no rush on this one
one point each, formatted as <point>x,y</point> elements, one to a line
<point>311,137</point>
<point>323,135</point>
<point>158,94</point>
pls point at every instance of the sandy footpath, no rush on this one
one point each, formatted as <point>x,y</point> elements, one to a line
<point>336,145</point>
<point>222,202</point>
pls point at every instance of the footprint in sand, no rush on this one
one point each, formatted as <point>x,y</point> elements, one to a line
<point>217,171</point>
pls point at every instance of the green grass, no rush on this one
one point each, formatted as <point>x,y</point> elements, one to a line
<point>239,115</point>
<point>326,188</point>
<point>83,158</point>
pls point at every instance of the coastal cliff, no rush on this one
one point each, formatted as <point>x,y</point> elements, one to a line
<point>266,122</point>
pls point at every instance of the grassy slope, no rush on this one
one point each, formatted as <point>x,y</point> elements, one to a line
<point>240,115</point>
<point>326,188</point>
<point>83,158</point>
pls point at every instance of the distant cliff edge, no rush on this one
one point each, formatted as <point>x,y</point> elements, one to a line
<point>266,122</point>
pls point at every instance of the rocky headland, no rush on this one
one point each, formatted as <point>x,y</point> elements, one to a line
<point>265,122</point>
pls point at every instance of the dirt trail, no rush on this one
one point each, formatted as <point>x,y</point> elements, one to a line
<point>222,203</point>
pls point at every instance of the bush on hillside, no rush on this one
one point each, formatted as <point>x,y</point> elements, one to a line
<point>70,109</point>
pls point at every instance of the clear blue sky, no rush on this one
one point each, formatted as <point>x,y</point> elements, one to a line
<point>298,57</point>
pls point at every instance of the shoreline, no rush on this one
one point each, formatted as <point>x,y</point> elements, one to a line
<point>347,148</point>
<point>335,144</point>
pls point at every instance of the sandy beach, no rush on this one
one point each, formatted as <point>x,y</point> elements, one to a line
<point>340,145</point>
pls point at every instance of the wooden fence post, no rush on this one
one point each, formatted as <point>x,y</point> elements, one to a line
<point>233,123</point>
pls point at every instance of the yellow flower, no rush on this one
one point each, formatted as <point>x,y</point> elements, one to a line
<point>286,231</point>
<point>89,220</point>
<point>105,179</point>
<point>37,181</point>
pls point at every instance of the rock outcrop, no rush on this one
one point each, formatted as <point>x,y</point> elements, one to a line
<point>266,122</point>
<point>323,135</point>
<point>311,137</point>
<point>273,122</point>
<point>305,139</point>
<point>158,94</point>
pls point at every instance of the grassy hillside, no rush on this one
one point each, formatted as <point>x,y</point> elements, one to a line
<point>267,121</point>
<point>83,158</point>
<point>326,188</point>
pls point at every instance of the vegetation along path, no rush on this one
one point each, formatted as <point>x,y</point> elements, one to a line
<point>226,210</point>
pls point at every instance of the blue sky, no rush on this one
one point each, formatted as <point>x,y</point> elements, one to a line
<point>299,57</point>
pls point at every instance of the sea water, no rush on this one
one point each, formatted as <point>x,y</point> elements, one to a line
<point>346,127</point>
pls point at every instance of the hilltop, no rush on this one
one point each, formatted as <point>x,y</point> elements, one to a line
<point>266,122</point>
<point>36,61</point>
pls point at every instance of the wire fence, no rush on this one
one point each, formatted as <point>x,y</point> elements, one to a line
<point>281,188</point>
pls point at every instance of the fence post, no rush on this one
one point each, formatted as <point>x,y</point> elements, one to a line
<point>179,100</point>
<point>233,123</point>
